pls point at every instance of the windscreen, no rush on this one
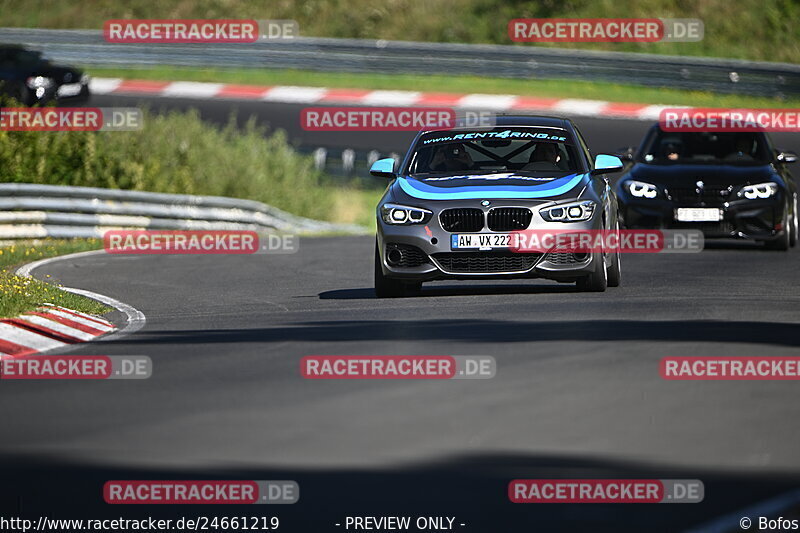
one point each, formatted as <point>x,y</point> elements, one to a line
<point>23,57</point>
<point>741,148</point>
<point>538,151</point>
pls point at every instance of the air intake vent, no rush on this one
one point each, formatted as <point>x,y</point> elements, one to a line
<point>485,262</point>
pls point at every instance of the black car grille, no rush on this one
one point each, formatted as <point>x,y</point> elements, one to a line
<point>509,218</point>
<point>696,196</point>
<point>486,262</point>
<point>410,256</point>
<point>710,228</point>
<point>565,258</point>
<point>461,219</point>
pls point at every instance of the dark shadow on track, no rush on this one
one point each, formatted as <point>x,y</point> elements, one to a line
<point>472,488</point>
<point>453,290</point>
<point>735,245</point>
<point>496,331</point>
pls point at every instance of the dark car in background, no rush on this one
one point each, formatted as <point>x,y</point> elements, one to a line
<point>30,78</point>
<point>729,185</point>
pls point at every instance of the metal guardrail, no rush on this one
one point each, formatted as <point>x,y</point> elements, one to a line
<point>348,163</point>
<point>35,211</point>
<point>87,47</point>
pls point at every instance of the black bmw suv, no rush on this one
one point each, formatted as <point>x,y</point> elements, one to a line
<point>31,79</point>
<point>729,185</point>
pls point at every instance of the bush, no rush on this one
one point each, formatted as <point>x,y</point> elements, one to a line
<point>175,153</point>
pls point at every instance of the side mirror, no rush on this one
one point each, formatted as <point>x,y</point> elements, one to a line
<point>603,164</point>
<point>626,153</point>
<point>786,156</point>
<point>383,168</point>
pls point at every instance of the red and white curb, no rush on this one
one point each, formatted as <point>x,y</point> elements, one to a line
<point>325,95</point>
<point>48,328</point>
<point>57,328</point>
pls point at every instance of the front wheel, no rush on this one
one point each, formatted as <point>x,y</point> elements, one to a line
<point>794,229</point>
<point>386,287</point>
<point>614,273</point>
<point>597,281</point>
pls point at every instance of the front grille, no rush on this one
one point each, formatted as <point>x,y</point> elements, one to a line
<point>711,228</point>
<point>696,196</point>
<point>509,218</point>
<point>564,258</point>
<point>461,220</point>
<point>486,262</point>
<point>410,256</point>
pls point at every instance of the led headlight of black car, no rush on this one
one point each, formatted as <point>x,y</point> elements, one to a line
<point>640,189</point>
<point>571,212</point>
<point>37,82</point>
<point>403,215</point>
<point>759,190</point>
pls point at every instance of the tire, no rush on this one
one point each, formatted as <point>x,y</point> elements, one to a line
<point>386,287</point>
<point>783,242</point>
<point>24,95</point>
<point>794,228</point>
<point>597,281</point>
<point>614,272</point>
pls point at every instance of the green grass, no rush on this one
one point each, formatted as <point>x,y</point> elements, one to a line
<point>454,84</point>
<point>746,29</point>
<point>357,206</point>
<point>19,295</point>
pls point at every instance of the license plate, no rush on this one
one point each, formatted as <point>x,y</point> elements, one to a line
<point>698,214</point>
<point>482,241</point>
<point>69,89</point>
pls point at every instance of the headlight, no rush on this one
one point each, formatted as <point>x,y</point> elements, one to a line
<point>85,79</point>
<point>572,212</point>
<point>759,190</point>
<point>36,82</point>
<point>640,189</point>
<point>403,214</point>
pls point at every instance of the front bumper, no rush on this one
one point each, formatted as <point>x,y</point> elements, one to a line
<point>62,93</point>
<point>423,253</point>
<point>741,219</point>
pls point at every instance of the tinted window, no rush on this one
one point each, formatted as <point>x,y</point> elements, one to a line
<point>663,148</point>
<point>529,150</point>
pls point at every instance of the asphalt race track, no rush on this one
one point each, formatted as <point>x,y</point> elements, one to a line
<point>577,392</point>
<point>603,135</point>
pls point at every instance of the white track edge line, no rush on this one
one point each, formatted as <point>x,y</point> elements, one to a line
<point>599,112</point>
<point>135,318</point>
